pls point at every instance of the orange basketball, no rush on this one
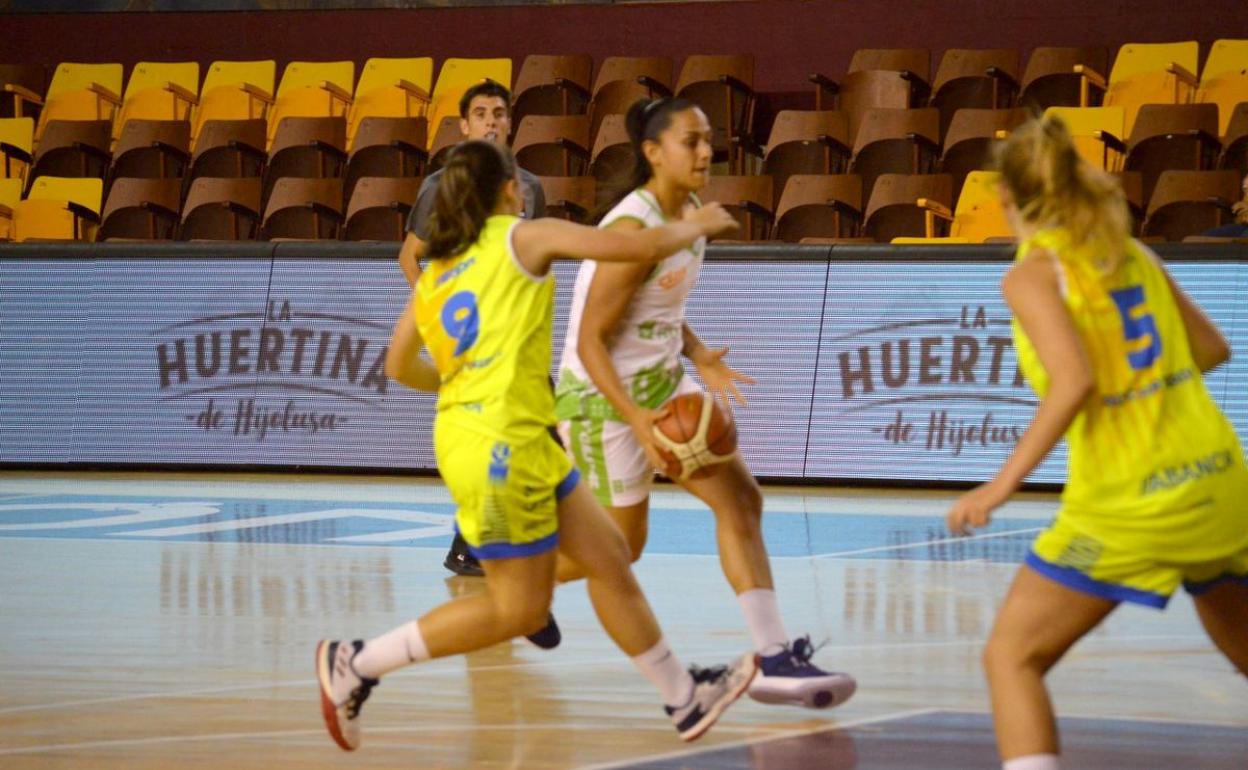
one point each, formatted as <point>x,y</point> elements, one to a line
<point>696,437</point>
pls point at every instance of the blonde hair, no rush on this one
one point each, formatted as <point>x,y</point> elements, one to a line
<point>1054,187</point>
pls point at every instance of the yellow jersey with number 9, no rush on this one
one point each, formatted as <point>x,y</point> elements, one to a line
<point>1150,439</point>
<point>487,323</point>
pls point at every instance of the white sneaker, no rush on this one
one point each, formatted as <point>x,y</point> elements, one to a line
<point>714,689</point>
<point>790,677</point>
<point>343,691</point>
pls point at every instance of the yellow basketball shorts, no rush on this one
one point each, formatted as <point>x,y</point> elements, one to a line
<point>507,494</point>
<point>1110,568</point>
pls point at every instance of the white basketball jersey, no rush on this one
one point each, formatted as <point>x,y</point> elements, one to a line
<point>648,345</point>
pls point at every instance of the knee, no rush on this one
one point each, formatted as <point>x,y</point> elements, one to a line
<point>635,541</point>
<point>1004,655</point>
<point>747,509</point>
<point>522,620</point>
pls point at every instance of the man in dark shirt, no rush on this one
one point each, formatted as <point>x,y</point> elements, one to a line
<point>1238,228</point>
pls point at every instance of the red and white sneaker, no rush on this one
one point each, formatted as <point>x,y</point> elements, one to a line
<point>343,691</point>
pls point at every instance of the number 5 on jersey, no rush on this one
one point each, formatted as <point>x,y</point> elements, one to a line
<point>1138,327</point>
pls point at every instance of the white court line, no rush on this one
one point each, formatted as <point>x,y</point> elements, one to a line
<point>890,717</point>
<point>939,541</point>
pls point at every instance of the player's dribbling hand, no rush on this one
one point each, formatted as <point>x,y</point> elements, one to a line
<point>642,422</point>
<point>974,509</point>
<point>720,378</point>
<point>712,218</point>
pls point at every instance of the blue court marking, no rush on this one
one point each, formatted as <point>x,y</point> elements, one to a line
<point>672,531</point>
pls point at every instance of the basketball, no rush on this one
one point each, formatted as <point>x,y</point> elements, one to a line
<point>696,437</point>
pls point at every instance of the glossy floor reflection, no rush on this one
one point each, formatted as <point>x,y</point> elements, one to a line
<point>155,621</point>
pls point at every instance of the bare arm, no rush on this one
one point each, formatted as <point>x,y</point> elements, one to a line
<point>1209,348</point>
<point>403,360</point>
<point>1032,291</point>
<point>720,378</point>
<point>410,254</point>
<point>541,241</point>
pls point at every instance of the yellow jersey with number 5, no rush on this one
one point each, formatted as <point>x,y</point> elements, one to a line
<point>487,323</point>
<point>1150,440</point>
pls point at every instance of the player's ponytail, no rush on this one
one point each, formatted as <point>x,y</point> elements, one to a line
<point>1053,186</point>
<point>645,121</point>
<point>467,194</point>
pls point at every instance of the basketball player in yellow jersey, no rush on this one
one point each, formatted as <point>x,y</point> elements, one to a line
<point>1157,489</point>
<point>485,307</point>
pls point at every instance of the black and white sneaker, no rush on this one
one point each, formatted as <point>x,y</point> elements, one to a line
<point>460,561</point>
<point>714,689</point>
<point>791,677</point>
<point>343,691</point>
<point>548,638</point>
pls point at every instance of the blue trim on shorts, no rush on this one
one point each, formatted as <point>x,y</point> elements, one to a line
<point>1073,578</point>
<point>514,550</point>
<point>568,484</point>
<point>1196,589</point>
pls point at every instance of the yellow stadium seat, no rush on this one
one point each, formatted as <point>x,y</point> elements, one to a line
<point>159,91</point>
<point>391,88</point>
<point>1098,133</point>
<point>1224,81</point>
<point>59,208</point>
<point>1146,73</point>
<point>81,92</point>
<point>17,137</point>
<point>234,90</point>
<point>978,215</point>
<point>10,196</point>
<point>456,76</point>
<point>312,90</point>
<point>933,241</point>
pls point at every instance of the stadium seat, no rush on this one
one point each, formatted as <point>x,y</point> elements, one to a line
<point>1050,80</point>
<point>145,209</point>
<point>312,90</point>
<point>391,88</point>
<point>723,86</point>
<point>456,77</point>
<point>221,209</point>
<point>72,148</point>
<point>152,148</point>
<point>158,91</point>
<point>1235,142</point>
<point>895,141</point>
<point>448,135</point>
<point>622,80</point>
<point>17,136</point>
<point>81,92</point>
<point>1190,202</point>
<point>917,61</point>
<point>234,90</point>
<point>387,147</point>
<point>1146,73</point>
<point>1097,132</point>
<point>1133,190</point>
<point>553,145</point>
<point>10,197</point>
<point>569,197</point>
<point>228,148</point>
<point>21,90</point>
<point>1224,81</point>
<point>805,142</point>
<point>968,142</point>
<point>748,199</point>
<point>308,148</point>
<point>60,209</point>
<point>819,206</point>
<point>303,209</point>
<point>612,156</point>
<point>893,209</point>
<point>978,216</point>
<point>974,79</point>
<point>379,207</point>
<point>551,85</point>
<point>1173,137</point>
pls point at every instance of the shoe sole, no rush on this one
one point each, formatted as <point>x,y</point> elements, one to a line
<point>717,711</point>
<point>834,694</point>
<point>328,710</point>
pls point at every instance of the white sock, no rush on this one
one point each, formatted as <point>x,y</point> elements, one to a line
<point>762,615</point>
<point>393,649</point>
<point>665,671</point>
<point>1032,762</point>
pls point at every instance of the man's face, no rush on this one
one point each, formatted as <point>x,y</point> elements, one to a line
<point>488,118</point>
